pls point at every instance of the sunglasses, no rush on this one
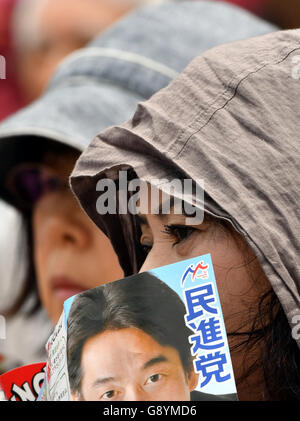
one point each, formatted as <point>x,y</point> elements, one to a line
<point>29,182</point>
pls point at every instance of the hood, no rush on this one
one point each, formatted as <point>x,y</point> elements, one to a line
<point>100,85</point>
<point>232,118</point>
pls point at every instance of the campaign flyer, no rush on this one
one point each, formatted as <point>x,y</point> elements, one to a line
<point>155,336</point>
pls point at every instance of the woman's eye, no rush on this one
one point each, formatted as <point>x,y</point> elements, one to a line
<point>178,232</point>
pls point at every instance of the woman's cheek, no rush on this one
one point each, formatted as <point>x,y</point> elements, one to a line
<point>191,246</point>
<point>161,254</point>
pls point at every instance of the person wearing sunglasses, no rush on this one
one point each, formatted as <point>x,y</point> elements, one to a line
<point>92,89</point>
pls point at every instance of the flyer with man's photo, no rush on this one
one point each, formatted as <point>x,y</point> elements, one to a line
<point>155,336</point>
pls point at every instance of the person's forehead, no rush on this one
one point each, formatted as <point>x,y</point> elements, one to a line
<point>117,355</point>
<point>131,344</point>
<point>118,337</point>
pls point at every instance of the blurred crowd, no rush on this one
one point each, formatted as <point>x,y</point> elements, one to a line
<point>37,34</point>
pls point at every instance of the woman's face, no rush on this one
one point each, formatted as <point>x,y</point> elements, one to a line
<point>240,279</point>
<point>70,253</point>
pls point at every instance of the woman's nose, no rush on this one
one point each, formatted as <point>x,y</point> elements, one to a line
<point>72,232</point>
<point>63,225</point>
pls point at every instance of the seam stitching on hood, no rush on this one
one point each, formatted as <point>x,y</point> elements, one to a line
<point>226,101</point>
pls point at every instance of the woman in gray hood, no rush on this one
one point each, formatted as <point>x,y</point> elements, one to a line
<point>94,88</point>
<point>231,119</point>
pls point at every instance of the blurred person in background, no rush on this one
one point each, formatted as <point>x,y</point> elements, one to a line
<point>45,31</point>
<point>34,36</point>
<point>94,88</point>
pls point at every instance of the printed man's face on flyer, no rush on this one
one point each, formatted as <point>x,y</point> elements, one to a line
<point>129,365</point>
